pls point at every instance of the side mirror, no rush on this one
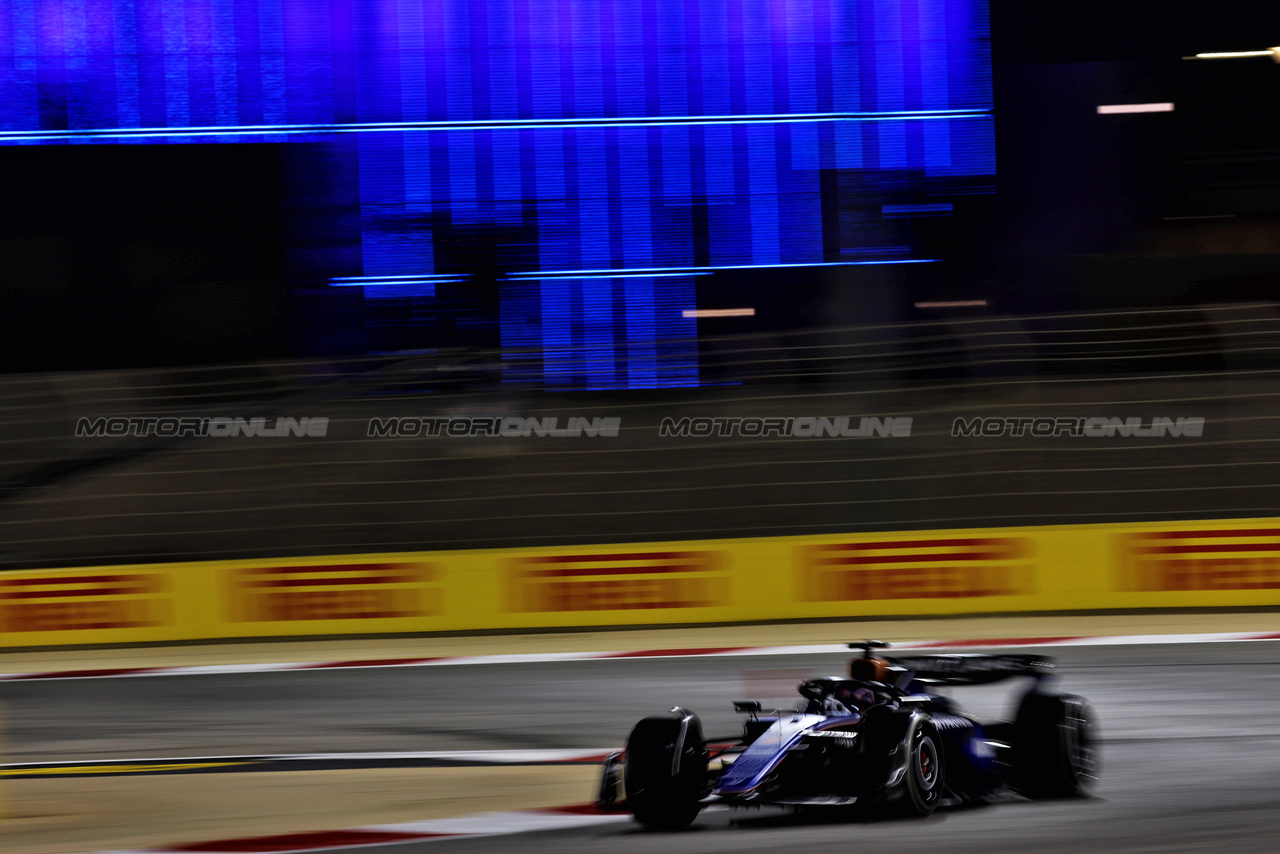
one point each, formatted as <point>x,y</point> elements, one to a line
<point>811,691</point>
<point>752,706</point>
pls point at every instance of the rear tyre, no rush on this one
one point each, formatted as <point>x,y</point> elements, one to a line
<point>1055,751</point>
<point>903,767</point>
<point>665,774</point>
<point>924,779</point>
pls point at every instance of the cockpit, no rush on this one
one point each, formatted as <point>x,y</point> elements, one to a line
<point>838,695</point>
<point>871,681</point>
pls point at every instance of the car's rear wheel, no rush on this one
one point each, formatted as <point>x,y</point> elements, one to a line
<point>922,784</point>
<point>1055,748</point>
<point>903,766</point>
<point>665,773</point>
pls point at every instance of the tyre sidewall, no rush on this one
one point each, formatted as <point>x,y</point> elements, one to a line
<point>925,776</point>
<point>660,799</point>
<point>891,779</point>
<point>1055,746</point>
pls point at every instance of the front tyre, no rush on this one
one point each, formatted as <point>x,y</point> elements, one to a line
<point>665,774</point>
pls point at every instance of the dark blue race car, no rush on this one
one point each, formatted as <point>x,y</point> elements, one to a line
<point>881,740</point>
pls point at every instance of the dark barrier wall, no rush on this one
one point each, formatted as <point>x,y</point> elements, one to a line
<point>989,421</point>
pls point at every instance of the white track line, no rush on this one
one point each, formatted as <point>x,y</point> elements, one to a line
<point>488,757</point>
<point>697,652</point>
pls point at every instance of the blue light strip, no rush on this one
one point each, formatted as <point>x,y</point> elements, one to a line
<point>375,281</point>
<point>615,274</point>
<point>511,124</point>
<point>906,210</point>
<point>642,273</point>
<point>656,272</point>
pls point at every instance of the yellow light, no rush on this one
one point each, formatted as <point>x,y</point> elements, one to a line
<point>1114,109</point>
<point>1237,54</point>
<point>719,312</point>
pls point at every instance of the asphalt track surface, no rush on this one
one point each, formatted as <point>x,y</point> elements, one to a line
<point>1191,741</point>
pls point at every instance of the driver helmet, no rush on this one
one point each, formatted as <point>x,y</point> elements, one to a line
<point>857,697</point>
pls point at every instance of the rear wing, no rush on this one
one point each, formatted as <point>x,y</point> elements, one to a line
<point>974,669</point>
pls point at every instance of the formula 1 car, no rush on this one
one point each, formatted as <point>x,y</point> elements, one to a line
<point>880,741</point>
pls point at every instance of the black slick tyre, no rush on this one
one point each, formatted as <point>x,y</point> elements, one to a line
<point>903,768</point>
<point>665,773</point>
<point>924,779</point>
<point>1055,751</point>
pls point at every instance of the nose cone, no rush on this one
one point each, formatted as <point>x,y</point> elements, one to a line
<point>755,763</point>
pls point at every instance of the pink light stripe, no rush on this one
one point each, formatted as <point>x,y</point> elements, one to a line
<point>85,674</point>
<point>481,824</point>
<point>319,840</point>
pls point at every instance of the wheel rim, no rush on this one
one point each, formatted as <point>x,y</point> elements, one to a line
<point>927,766</point>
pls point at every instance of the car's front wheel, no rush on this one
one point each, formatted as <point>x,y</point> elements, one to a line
<point>665,772</point>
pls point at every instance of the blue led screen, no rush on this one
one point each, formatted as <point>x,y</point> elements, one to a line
<point>612,150</point>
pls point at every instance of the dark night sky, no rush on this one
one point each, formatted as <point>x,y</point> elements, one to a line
<point>1133,50</point>
<point>1129,211</point>
<point>1119,30</point>
<point>128,256</point>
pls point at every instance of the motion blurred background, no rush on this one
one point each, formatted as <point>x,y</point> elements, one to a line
<point>639,210</point>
